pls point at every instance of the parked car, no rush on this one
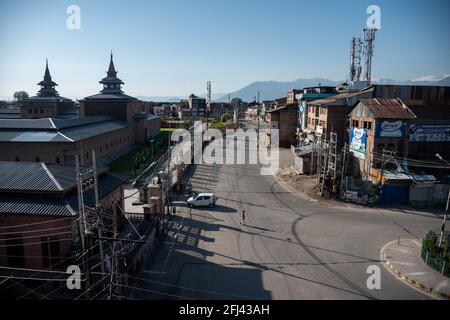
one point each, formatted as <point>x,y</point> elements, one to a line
<point>202,200</point>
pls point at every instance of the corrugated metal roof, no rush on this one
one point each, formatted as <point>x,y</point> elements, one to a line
<point>39,124</point>
<point>79,133</point>
<point>340,97</point>
<point>46,178</point>
<point>30,176</point>
<point>16,204</point>
<point>57,130</point>
<point>387,108</point>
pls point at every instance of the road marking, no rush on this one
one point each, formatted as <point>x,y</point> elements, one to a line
<point>386,264</point>
<point>414,274</point>
<point>400,250</point>
<point>402,263</point>
<point>441,284</point>
<point>418,244</point>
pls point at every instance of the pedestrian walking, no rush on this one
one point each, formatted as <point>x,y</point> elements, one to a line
<point>243,217</point>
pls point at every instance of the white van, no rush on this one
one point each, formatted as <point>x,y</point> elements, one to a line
<point>202,200</point>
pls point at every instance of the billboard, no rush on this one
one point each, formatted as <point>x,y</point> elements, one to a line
<point>358,138</point>
<point>391,129</point>
<point>429,133</point>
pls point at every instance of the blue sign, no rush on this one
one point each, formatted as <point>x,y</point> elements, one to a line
<point>358,139</point>
<point>390,128</point>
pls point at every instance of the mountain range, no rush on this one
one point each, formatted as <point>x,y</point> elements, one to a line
<point>270,90</point>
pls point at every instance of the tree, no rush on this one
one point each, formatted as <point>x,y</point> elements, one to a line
<point>224,118</point>
<point>20,95</point>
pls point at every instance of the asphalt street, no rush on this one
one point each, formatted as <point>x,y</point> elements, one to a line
<point>290,248</point>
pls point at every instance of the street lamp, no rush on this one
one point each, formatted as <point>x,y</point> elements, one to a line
<point>446,207</point>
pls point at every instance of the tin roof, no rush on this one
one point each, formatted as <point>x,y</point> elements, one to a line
<point>44,189</point>
<point>342,97</point>
<point>56,130</point>
<point>387,108</point>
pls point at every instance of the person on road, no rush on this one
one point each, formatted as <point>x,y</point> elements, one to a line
<point>243,217</point>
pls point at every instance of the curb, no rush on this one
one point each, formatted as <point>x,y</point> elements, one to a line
<point>410,280</point>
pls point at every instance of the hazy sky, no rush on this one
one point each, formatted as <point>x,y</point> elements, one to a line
<point>170,47</point>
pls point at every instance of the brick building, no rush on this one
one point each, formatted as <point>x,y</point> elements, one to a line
<point>378,125</point>
<point>284,118</point>
<point>57,141</point>
<point>42,199</point>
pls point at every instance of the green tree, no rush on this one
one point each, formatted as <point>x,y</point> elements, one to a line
<point>20,95</point>
<point>224,118</point>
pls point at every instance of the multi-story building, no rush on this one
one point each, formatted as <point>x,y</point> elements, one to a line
<point>329,115</point>
<point>303,97</point>
<point>197,106</point>
<point>377,126</point>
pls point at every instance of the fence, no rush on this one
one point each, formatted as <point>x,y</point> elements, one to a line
<point>437,260</point>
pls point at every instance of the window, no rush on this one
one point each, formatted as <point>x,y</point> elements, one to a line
<point>57,160</point>
<point>37,159</point>
<point>369,125</point>
<point>30,110</point>
<point>35,110</point>
<point>17,159</point>
<point>41,110</point>
<point>87,154</point>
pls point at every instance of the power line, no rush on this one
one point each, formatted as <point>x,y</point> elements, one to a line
<point>36,223</point>
<point>39,236</point>
<point>34,243</point>
<point>34,231</point>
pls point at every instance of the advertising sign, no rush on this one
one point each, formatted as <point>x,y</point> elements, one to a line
<point>392,129</point>
<point>429,133</point>
<point>358,138</point>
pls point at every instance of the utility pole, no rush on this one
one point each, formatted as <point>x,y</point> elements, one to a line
<point>97,208</point>
<point>446,209</point>
<point>387,155</point>
<point>344,167</point>
<point>208,105</point>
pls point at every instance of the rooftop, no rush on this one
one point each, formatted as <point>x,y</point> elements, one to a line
<point>341,98</point>
<point>46,189</point>
<point>387,108</point>
<point>56,130</point>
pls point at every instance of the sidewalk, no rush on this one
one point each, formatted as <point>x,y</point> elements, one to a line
<point>405,262</point>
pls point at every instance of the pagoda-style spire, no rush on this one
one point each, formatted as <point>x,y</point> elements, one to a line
<point>47,85</point>
<point>111,84</point>
<point>112,73</point>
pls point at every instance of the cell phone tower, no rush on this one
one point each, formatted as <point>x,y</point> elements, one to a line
<point>369,39</point>
<point>208,88</point>
<point>355,59</point>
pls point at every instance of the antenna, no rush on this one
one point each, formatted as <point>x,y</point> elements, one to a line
<point>369,38</point>
<point>208,88</point>
<point>355,59</point>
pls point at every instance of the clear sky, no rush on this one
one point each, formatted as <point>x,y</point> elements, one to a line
<point>170,47</point>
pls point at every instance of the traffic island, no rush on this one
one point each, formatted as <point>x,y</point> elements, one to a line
<point>403,258</point>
